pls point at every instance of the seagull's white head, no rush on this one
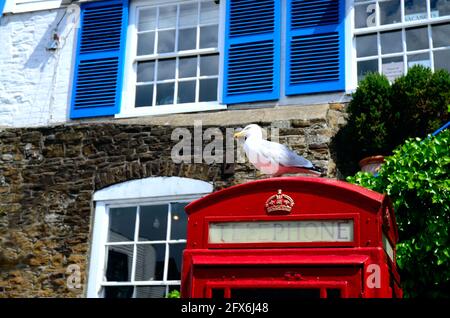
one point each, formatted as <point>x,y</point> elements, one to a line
<point>252,130</point>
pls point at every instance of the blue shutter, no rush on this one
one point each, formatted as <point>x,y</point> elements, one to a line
<point>252,51</point>
<point>315,46</point>
<point>100,56</point>
<point>2,4</point>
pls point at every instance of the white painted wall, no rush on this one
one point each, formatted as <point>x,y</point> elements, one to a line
<point>35,82</point>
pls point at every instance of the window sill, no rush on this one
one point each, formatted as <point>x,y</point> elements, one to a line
<point>169,109</point>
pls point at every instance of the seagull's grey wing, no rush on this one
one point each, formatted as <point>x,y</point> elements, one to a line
<point>283,155</point>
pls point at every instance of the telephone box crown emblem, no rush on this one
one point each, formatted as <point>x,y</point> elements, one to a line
<point>279,203</point>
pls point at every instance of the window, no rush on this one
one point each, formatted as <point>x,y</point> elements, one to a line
<point>139,236</point>
<point>394,35</point>
<point>173,60</point>
<point>18,6</point>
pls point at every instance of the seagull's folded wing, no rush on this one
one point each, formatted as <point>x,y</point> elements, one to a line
<point>282,155</point>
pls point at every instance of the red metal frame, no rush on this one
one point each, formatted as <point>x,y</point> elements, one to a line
<point>268,265</point>
<point>323,286</point>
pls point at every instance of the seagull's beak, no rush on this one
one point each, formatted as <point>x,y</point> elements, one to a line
<point>239,134</point>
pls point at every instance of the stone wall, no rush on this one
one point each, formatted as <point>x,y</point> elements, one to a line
<point>48,176</point>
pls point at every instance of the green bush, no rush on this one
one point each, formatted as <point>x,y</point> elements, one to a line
<point>417,179</point>
<point>382,116</point>
<point>419,102</point>
<point>370,112</point>
<point>367,129</point>
<point>174,294</point>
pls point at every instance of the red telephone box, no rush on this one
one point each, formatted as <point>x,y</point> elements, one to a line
<point>291,237</point>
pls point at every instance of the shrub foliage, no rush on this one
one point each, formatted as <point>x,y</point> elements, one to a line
<point>416,177</point>
<point>382,116</point>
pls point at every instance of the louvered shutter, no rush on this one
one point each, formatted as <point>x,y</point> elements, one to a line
<point>252,51</point>
<point>315,46</point>
<point>100,57</point>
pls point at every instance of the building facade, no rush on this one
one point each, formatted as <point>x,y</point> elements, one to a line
<point>91,93</point>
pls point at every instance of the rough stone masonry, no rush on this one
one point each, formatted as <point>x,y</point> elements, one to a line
<point>48,176</point>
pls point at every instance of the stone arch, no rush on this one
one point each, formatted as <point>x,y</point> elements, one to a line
<point>153,187</point>
<point>160,168</point>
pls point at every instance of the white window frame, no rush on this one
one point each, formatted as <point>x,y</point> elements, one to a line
<point>19,6</point>
<point>402,26</point>
<point>128,108</point>
<point>148,191</point>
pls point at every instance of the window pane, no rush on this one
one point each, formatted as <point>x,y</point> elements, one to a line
<point>150,291</point>
<point>417,39</point>
<point>442,60</point>
<point>393,67</point>
<point>120,260</point>
<point>187,67</point>
<point>441,35</point>
<point>365,15</point>
<point>175,259</point>
<point>118,291</point>
<point>208,37</point>
<point>166,41</point>
<point>186,94</point>
<point>150,262</point>
<point>164,93</point>
<point>147,19</point>
<point>209,12</point>
<point>208,90</point>
<point>122,222</point>
<point>145,71</point>
<point>419,59</point>
<point>144,95</point>
<point>167,17</point>
<point>188,14</point>
<point>391,42</point>
<point>179,221</point>
<point>209,65</point>
<point>390,12</point>
<point>166,69</point>
<point>440,8</point>
<point>146,43</point>
<point>365,67</point>
<point>415,10</point>
<point>153,222</point>
<point>366,45</point>
<point>187,39</point>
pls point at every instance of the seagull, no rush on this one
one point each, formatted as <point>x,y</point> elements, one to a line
<point>273,158</point>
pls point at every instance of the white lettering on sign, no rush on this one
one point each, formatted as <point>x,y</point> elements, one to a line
<point>393,70</point>
<point>281,231</point>
<point>420,16</point>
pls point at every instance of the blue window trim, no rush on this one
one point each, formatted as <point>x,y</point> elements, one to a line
<point>96,110</point>
<point>229,41</point>
<point>2,5</point>
<point>323,86</point>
